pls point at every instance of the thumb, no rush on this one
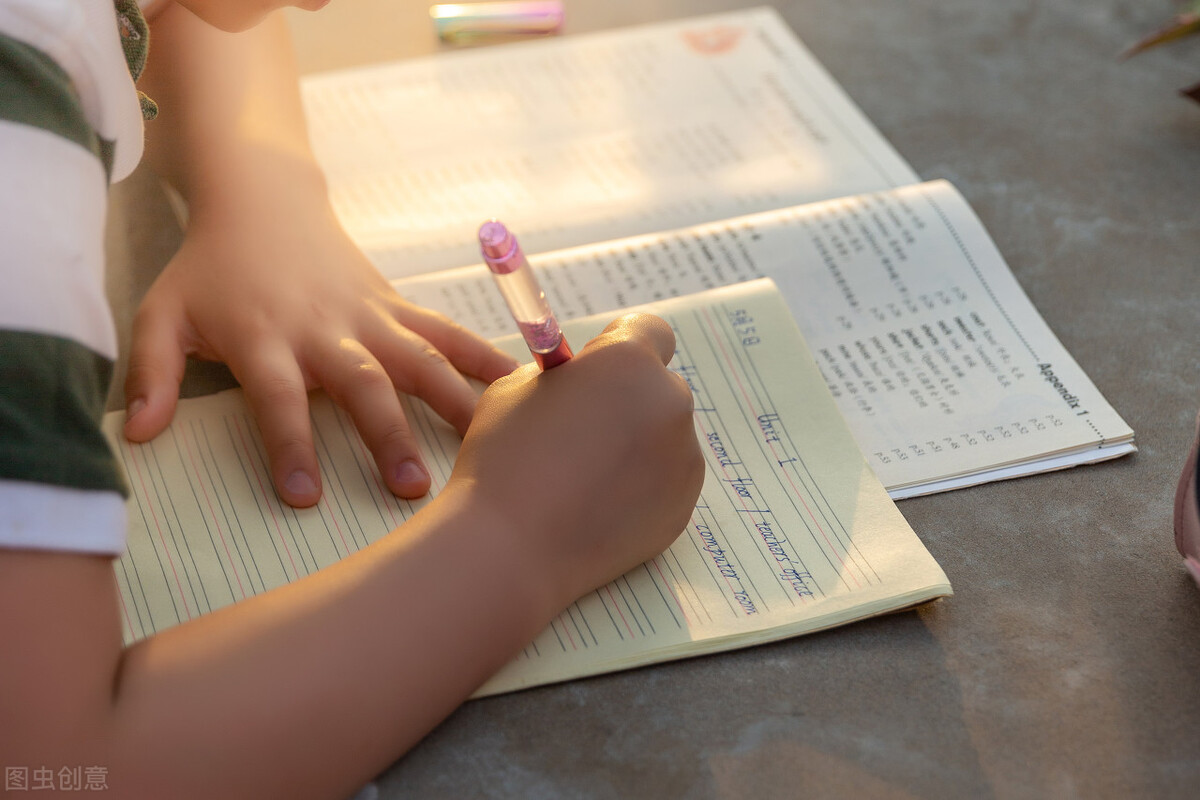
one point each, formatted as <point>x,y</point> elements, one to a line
<point>156,365</point>
<point>650,331</point>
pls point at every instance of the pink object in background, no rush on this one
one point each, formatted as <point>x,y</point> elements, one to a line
<point>465,20</point>
<point>1187,511</point>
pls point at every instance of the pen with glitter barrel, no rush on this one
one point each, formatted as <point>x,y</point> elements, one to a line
<point>524,296</point>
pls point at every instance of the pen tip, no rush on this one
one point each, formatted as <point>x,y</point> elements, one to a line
<point>495,239</point>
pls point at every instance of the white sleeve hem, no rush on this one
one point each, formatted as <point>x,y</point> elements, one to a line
<point>38,516</point>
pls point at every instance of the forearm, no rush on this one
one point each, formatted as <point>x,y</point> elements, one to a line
<point>229,104</point>
<point>338,675</point>
<point>309,689</point>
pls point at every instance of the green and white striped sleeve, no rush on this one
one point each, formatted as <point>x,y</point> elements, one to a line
<point>69,122</point>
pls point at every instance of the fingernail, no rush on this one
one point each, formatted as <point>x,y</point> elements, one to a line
<point>135,408</point>
<point>409,472</point>
<point>300,483</point>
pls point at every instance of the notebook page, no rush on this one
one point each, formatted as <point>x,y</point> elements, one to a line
<point>792,531</point>
<point>944,370</point>
<point>587,138</point>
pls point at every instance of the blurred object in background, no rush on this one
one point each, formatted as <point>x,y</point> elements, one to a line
<point>1184,24</point>
<point>468,22</point>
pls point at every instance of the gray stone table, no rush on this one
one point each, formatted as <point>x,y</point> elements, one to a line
<point>1068,662</point>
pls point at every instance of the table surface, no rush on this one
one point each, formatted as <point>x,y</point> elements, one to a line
<point>1065,665</point>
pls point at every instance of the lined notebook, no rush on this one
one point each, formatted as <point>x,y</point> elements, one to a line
<point>792,532</point>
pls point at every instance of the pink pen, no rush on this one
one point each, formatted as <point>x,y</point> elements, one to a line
<point>524,296</point>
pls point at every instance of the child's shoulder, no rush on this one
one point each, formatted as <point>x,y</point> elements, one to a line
<point>66,56</point>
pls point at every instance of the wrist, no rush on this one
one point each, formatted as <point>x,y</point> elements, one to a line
<point>496,561</point>
<point>254,180</point>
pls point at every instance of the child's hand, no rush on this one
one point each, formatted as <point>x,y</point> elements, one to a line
<point>592,467</point>
<point>269,283</point>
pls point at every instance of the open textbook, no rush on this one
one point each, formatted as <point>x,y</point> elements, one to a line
<point>662,160</point>
<point>792,532</point>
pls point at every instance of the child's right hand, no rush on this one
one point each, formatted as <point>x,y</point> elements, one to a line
<point>592,467</point>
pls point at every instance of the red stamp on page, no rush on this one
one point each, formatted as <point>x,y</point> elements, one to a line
<point>715,40</point>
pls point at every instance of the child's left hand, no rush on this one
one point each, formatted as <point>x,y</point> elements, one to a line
<point>268,282</point>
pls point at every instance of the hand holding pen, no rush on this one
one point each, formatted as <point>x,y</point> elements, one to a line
<point>590,470</point>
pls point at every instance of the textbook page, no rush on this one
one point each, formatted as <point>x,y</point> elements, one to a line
<point>587,138</point>
<point>944,370</point>
<point>792,532</point>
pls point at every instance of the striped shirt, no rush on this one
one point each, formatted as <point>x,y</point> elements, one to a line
<point>69,124</point>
